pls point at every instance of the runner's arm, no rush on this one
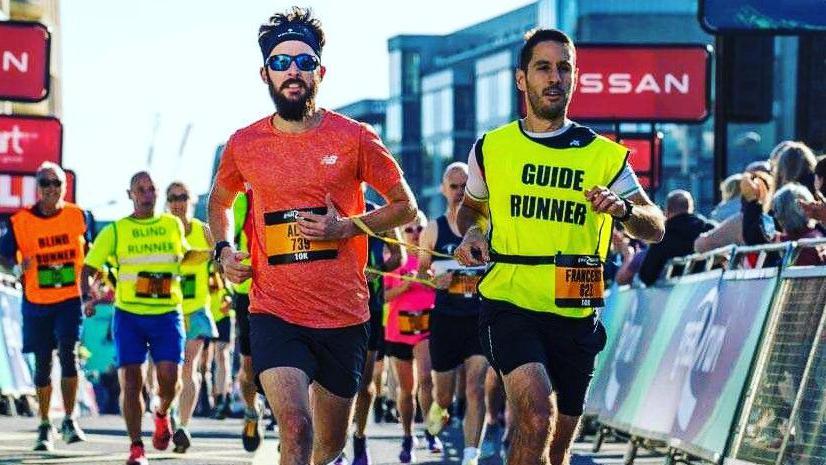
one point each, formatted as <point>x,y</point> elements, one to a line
<point>427,243</point>
<point>397,254</point>
<point>227,185</point>
<point>219,212</point>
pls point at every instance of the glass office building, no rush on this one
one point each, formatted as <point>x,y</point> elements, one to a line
<point>447,90</point>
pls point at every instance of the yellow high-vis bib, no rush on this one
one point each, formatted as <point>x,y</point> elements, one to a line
<point>538,211</point>
<point>148,254</point>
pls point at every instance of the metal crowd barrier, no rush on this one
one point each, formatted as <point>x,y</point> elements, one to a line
<point>723,360</point>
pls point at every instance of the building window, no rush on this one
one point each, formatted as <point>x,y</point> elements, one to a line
<point>394,121</point>
<point>411,65</point>
<point>494,91</point>
<point>437,104</point>
<point>395,73</point>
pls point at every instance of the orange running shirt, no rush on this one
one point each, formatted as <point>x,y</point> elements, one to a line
<point>318,284</point>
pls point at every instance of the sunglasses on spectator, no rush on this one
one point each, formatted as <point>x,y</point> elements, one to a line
<point>411,230</point>
<point>282,62</point>
<point>177,198</point>
<point>43,182</point>
<point>456,186</point>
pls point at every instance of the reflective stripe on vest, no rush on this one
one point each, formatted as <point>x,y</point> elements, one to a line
<point>538,209</point>
<point>53,247</point>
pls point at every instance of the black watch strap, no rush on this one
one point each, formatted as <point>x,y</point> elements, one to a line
<point>219,247</point>
<point>629,210</point>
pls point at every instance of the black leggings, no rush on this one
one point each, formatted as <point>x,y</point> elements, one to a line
<point>66,352</point>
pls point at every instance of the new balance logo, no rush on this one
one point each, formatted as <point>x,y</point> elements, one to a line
<point>329,159</point>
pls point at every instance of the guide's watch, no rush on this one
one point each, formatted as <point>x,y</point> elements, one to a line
<point>219,247</point>
<point>629,210</point>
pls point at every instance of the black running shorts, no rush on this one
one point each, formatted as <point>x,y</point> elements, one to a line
<point>333,358</point>
<point>512,336</point>
<point>453,339</point>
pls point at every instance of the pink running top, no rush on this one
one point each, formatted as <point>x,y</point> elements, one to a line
<point>409,319</point>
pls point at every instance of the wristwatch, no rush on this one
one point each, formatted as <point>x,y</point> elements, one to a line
<point>219,247</point>
<point>629,210</point>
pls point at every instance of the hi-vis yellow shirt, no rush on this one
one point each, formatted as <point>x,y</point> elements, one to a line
<point>195,278</point>
<point>148,253</point>
<point>538,207</point>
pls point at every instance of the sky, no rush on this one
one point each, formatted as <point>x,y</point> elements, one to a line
<point>138,74</point>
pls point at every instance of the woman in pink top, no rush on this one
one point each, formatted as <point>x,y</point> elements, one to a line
<point>406,338</point>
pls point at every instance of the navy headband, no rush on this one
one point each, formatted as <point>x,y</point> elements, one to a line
<point>284,32</point>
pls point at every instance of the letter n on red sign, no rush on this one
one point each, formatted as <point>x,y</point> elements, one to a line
<point>24,61</point>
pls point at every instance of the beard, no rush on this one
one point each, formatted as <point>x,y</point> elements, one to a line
<point>293,109</point>
<point>551,111</point>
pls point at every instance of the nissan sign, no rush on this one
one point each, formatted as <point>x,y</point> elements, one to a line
<point>24,61</point>
<point>20,190</point>
<point>28,141</point>
<point>642,83</point>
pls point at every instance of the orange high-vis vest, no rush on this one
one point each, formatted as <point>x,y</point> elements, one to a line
<point>54,249</point>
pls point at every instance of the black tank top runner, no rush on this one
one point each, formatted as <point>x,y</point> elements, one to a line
<point>375,259</point>
<point>458,304</point>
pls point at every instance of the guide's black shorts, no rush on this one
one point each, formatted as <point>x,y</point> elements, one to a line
<point>512,336</point>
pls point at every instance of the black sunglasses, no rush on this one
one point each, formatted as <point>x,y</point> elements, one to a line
<point>282,62</point>
<point>177,198</point>
<point>43,182</point>
<point>457,186</point>
<point>410,230</point>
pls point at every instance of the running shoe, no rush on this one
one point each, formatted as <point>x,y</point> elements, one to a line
<point>361,456</point>
<point>407,455</point>
<point>71,432</point>
<point>434,444</point>
<point>378,409</point>
<point>137,455</point>
<point>341,460</point>
<point>437,418</point>
<point>182,440</point>
<point>491,441</point>
<point>45,441</point>
<point>163,432</point>
<point>251,435</point>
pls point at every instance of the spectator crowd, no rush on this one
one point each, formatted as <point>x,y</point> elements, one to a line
<point>780,199</point>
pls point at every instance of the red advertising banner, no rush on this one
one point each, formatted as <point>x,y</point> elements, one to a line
<point>645,156</point>
<point>642,83</point>
<point>24,61</point>
<point>20,190</point>
<point>28,141</point>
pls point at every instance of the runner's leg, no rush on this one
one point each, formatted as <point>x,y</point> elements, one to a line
<point>131,385</point>
<point>331,418</point>
<point>366,394</point>
<point>475,369</point>
<point>191,379</point>
<point>528,388</point>
<point>421,356</point>
<point>287,390</point>
<point>406,386</point>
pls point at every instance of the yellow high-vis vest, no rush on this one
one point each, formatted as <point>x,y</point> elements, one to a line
<point>538,208</point>
<point>148,255</point>
<point>241,211</point>
<point>195,278</point>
